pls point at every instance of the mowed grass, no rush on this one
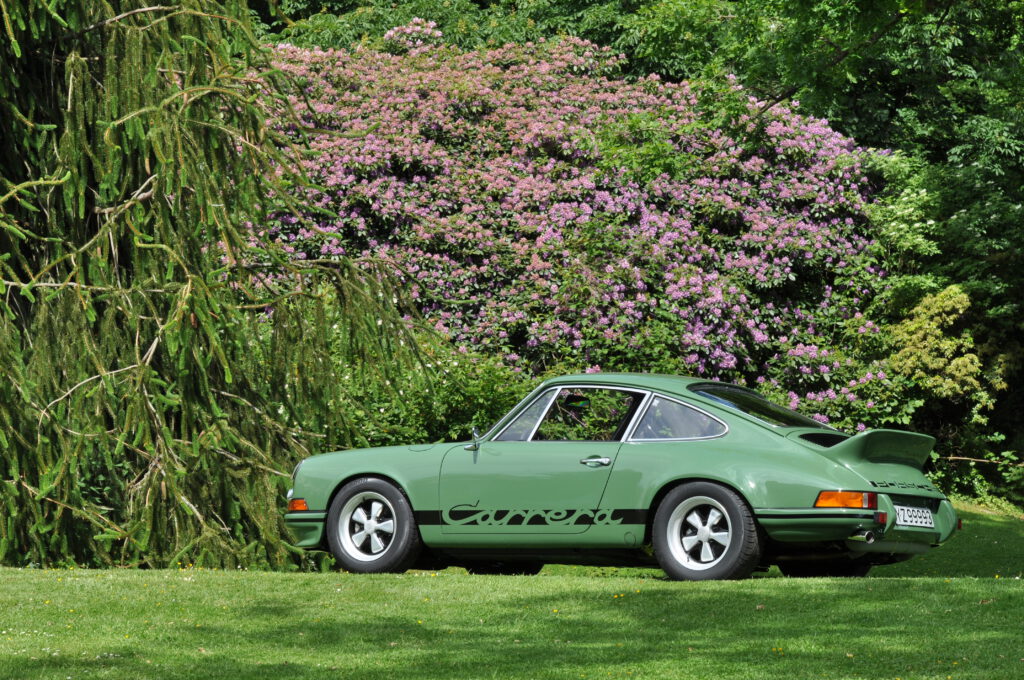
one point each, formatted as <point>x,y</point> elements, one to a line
<point>955,613</point>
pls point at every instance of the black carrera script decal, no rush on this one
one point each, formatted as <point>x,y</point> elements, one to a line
<point>473,515</point>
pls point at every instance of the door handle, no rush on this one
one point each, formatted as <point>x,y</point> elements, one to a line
<point>596,461</point>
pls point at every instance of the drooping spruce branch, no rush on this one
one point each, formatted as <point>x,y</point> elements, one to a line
<point>162,375</point>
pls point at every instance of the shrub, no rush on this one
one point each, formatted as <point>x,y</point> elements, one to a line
<point>543,210</point>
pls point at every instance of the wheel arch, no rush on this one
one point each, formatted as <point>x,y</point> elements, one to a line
<point>368,475</point>
<point>675,483</point>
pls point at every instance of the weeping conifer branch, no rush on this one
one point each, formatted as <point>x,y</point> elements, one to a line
<point>163,373</point>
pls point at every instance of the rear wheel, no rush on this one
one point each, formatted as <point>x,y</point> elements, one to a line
<point>837,568</point>
<point>703,531</point>
<point>370,527</point>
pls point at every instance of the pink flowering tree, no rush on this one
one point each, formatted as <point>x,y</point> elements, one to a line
<point>541,209</point>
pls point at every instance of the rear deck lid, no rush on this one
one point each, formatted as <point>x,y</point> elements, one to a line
<point>873,446</point>
<point>889,460</point>
<point>883,446</point>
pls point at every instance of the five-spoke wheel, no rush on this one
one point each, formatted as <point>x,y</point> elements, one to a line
<point>705,531</point>
<point>370,527</point>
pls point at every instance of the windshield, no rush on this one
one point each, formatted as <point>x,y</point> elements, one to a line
<point>755,405</point>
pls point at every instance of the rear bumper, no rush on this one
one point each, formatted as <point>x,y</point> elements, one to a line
<point>849,526</point>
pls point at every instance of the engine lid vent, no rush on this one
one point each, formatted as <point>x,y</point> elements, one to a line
<point>825,439</point>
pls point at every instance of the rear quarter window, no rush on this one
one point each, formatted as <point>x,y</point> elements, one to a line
<point>667,419</point>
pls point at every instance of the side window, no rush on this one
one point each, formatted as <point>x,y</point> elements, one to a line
<point>522,426</point>
<point>666,419</point>
<point>588,414</point>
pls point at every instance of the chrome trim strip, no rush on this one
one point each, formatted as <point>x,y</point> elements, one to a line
<point>551,400</point>
<point>519,410</point>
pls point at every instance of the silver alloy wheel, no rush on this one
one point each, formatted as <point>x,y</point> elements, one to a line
<point>699,532</point>
<point>366,526</point>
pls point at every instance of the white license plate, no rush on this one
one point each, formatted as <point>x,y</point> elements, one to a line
<point>914,517</point>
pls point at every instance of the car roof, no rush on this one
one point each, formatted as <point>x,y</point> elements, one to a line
<point>673,384</point>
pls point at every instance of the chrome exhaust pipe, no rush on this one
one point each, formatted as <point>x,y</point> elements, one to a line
<point>863,536</point>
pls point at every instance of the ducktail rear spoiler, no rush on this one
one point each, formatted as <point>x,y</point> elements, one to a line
<point>883,446</point>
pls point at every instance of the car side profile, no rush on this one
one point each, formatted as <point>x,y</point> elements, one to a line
<point>706,479</point>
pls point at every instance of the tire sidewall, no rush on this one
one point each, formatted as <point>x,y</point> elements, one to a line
<point>740,557</point>
<point>405,542</point>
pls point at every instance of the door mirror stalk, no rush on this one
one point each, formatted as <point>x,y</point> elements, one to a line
<point>475,446</point>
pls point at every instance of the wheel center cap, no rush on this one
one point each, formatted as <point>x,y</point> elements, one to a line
<point>370,526</point>
<point>703,534</point>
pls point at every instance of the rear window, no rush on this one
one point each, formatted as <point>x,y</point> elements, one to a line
<point>755,405</point>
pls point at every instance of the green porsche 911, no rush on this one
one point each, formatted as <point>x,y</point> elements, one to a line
<point>707,479</point>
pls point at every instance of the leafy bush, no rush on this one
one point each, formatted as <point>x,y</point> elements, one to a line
<point>541,209</point>
<point>441,400</point>
<point>936,81</point>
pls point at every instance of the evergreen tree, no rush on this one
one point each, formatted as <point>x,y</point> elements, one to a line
<point>160,373</point>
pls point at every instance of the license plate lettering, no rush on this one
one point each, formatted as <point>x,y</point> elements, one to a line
<point>914,517</point>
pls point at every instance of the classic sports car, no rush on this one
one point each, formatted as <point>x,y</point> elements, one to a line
<point>707,479</point>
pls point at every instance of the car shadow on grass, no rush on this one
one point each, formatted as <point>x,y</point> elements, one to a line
<point>991,544</point>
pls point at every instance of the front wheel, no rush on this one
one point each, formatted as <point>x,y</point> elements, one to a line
<point>703,531</point>
<point>370,528</point>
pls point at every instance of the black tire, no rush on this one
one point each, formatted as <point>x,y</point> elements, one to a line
<point>851,568</point>
<point>525,568</point>
<point>703,531</point>
<point>371,529</point>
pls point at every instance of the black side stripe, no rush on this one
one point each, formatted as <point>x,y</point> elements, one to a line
<point>427,517</point>
<point>620,516</point>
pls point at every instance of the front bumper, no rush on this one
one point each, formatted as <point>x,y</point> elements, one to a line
<point>307,527</point>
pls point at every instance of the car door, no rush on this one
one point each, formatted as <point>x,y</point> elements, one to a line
<point>545,472</point>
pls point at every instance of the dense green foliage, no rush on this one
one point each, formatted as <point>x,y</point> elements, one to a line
<point>544,210</point>
<point>163,371</point>
<point>939,82</point>
<point>161,375</point>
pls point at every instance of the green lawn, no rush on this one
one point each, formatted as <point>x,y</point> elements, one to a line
<point>956,613</point>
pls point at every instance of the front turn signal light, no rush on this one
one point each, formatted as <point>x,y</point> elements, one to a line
<point>847,499</point>
<point>297,505</point>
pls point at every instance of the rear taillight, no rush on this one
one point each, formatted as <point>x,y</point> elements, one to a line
<point>867,500</point>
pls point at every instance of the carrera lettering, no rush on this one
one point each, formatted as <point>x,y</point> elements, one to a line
<point>472,515</point>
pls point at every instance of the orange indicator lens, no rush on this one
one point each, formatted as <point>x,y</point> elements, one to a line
<point>297,505</point>
<point>847,499</point>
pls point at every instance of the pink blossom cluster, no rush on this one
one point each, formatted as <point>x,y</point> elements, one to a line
<point>482,179</point>
<point>417,33</point>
